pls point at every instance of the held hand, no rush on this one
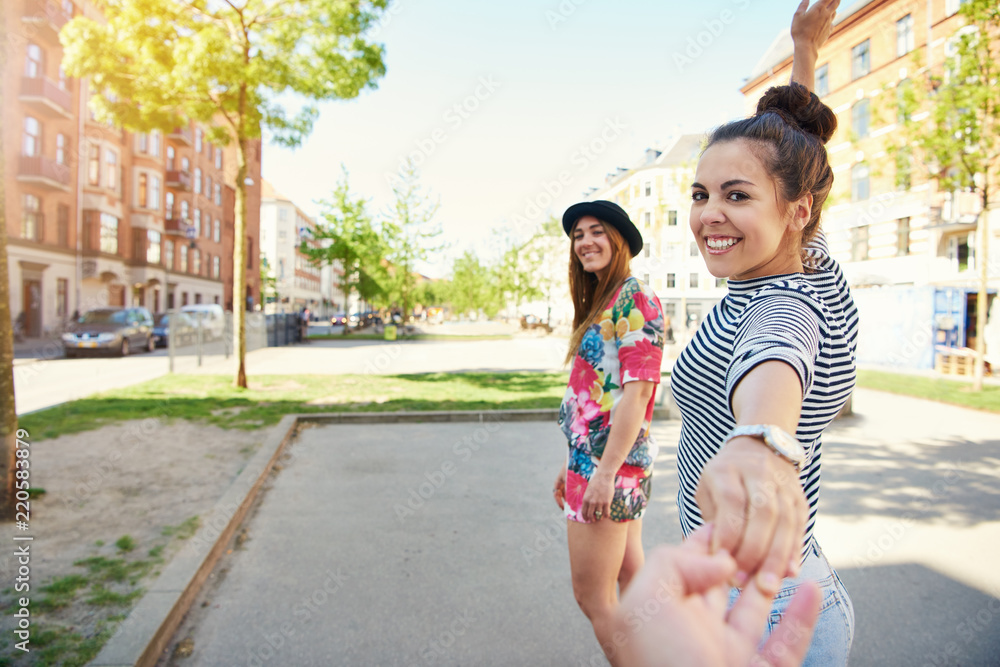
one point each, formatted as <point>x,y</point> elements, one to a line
<point>674,613</point>
<point>811,26</point>
<point>756,503</point>
<point>559,488</point>
<point>598,496</point>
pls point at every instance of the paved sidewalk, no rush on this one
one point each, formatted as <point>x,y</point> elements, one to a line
<point>439,544</point>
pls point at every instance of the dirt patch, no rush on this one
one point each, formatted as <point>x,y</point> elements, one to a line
<point>142,479</point>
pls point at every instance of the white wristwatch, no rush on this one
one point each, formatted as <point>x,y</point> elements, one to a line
<point>784,444</point>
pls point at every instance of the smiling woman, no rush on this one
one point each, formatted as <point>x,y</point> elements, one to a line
<point>773,363</point>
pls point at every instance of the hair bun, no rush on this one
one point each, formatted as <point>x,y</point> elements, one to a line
<point>801,108</point>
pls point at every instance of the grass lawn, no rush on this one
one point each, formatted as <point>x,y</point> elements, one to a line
<point>956,392</point>
<point>213,399</point>
<point>402,336</point>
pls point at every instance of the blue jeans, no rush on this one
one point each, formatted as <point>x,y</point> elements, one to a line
<point>831,642</point>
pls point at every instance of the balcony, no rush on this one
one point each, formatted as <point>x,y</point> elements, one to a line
<point>178,179</point>
<point>175,225</point>
<point>181,135</point>
<point>43,172</point>
<point>46,97</point>
<point>47,15</point>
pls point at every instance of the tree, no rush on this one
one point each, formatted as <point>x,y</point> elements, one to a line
<point>407,231</point>
<point>347,236</point>
<point>156,64</point>
<point>268,282</point>
<point>472,287</point>
<point>517,272</point>
<point>8,411</point>
<point>961,137</point>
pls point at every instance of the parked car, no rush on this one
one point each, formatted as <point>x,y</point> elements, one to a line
<point>210,316</point>
<point>112,330</point>
<point>179,325</point>
<point>338,319</point>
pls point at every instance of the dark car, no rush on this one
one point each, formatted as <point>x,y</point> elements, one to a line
<point>112,330</point>
<point>338,319</point>
<point>179,325</point>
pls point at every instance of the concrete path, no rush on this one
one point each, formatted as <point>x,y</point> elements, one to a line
<point>439,544</point>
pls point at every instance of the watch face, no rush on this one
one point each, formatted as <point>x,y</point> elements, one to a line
<point>785,440</point>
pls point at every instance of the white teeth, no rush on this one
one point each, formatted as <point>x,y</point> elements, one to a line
<point>720,244</point>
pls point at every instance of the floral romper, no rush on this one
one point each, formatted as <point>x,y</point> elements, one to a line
<point>624,345</point>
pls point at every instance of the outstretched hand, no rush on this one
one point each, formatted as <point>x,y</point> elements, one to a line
<point>811,26</point>
<point>674,613</point>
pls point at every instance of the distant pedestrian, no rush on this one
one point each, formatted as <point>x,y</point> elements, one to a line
<point>616,350</point>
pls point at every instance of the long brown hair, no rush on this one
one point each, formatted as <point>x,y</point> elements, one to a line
<point>591,294</point>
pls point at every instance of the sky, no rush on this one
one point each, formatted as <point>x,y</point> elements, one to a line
<point>513,109</point>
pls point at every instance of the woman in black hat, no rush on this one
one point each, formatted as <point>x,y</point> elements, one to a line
<point>616,349</point>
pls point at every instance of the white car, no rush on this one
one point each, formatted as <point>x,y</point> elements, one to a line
<point>210,317</point>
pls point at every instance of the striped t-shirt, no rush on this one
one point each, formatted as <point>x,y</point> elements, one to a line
<point>807,320</point>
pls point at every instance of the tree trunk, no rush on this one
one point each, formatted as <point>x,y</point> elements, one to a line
<point>982,263</point>
<point>8,413</point>
<point>239,264</point>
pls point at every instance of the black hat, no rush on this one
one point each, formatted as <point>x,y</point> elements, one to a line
<point>608,212</point>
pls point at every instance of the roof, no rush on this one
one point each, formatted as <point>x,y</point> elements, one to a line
<point>781,48</point>
<point>267,191</point>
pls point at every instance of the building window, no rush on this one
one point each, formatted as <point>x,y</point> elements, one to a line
<point>154,143</point>
<point>671,279</point>
<point>694,249</point>
<point>720,282</point>
<point>109,234</point>
<point>197,140</point>
<point>216,267</point>
<point>648,188</point>
<point>62,225</point>
<point>197,222</point>
<point>154,193</point>
<point>60,148</point>
<point>111,161</point>
<point>94,165</point>
<point>31,217</point>
<point>143,189</point>
<point>218,230</point>
<point>34,64</point>
<point>861,60</point>
<point>183,257</point>
<point>32,144</point>
<point>902,237</point>
<point>168,204</point>
<point>671,218</point>
<point>218,195</point>
<point>196,262</point>
<point>197,180</point>
<point>171,157</point>
<point>859,182</point>
<point>859,243</point>
<point>208,225</point>
<point>860,116</point>
<point>208,185</point>
<point>823,81</point>
<point>218,159</point>
<point>153,248</point>
<point>951,6</point>
<point>168,255</point>
<point>142,142</point>
<point>904,35</point>
<point>185,164</point>
<point>645,250</point>
<point>648,218</point>
<point>249,253</point>
<point>62,298</point>
<point>693,280</point>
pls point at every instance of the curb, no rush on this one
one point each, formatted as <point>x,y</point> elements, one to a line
<point>147,631</point>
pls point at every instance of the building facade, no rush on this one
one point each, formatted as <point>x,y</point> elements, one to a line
<point>283,228</point>
<point>97,216</point>
<point>904,244</point>
<point>656,193</point>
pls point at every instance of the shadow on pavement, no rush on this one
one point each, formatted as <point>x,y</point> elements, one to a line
<point>911,615</point>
